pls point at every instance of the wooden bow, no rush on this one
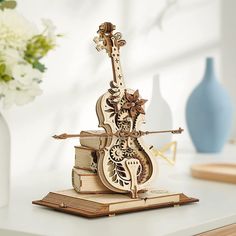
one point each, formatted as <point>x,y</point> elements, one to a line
<point>120,134</point>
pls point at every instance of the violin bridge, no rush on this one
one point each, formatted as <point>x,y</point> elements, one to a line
<point>133,165</point>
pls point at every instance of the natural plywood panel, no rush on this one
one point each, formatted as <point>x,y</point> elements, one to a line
<point>96,205</point>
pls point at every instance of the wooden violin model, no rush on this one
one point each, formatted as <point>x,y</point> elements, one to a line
<point>125,164</point>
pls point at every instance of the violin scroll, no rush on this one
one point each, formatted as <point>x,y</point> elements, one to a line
<point>106,28</point>
<point>107,40</point>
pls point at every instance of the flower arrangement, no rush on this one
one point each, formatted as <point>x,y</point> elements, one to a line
<point>22,48</point>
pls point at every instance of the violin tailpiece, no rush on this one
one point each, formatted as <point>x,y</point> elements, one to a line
<point>133,166</point>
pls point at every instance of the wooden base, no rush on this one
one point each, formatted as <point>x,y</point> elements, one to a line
<point>97,205</point>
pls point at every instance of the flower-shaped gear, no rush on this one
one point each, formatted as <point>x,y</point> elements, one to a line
<point>116,154</point>
<point>134,104</point>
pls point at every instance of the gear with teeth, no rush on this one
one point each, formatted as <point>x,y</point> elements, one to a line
<point>122,123</point>
<point>123,144</point>
<point>129,152</point>
<point>116,153</point>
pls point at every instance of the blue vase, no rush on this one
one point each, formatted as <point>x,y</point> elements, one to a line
<point>209,113</point>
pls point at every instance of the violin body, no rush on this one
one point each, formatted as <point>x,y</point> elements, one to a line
<point>125,164</point>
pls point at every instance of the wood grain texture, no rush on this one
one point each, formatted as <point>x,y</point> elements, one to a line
<point>85,158</point>
<point>93,142</point>
<point>94,208</point>
<point>222,172</point>
<point>229,230</point>
<point>84,181</point>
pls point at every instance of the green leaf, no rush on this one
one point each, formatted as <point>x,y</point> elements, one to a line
<point>6,78</point>
<point>39,66</point>
<point>2,69</point>
<point>7,4</point>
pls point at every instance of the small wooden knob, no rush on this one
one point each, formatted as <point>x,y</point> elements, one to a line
<point>62,205</point>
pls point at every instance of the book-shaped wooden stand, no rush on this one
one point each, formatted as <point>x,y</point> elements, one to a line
<point>90,198</point>
<point>114,166</point>
<point>96,205</point>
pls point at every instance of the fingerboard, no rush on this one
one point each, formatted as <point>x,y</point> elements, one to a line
<point>116,66</point>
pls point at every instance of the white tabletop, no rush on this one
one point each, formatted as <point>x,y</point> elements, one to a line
<point>216,207</point>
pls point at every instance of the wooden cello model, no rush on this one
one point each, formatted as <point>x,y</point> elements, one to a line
<point>125,164</point>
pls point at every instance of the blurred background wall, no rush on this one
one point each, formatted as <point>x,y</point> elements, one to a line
<point>171,41</point>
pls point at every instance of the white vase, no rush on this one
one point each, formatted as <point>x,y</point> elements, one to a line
<point>4,161</point>
<point>158,117</point>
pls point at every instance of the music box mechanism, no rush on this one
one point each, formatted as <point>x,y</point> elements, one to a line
<point>115,157</point>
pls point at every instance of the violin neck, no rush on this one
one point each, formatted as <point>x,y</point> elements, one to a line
<point>116,67</point>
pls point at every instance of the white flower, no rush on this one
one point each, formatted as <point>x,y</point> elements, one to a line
<point>10,57</point>
<point>23,88</point>
<point>20,94</point>
<point>25,74</point>
<point>15,30</point>
<point>50,29</point>
<point>19,44</point>
<point>3,89</point>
